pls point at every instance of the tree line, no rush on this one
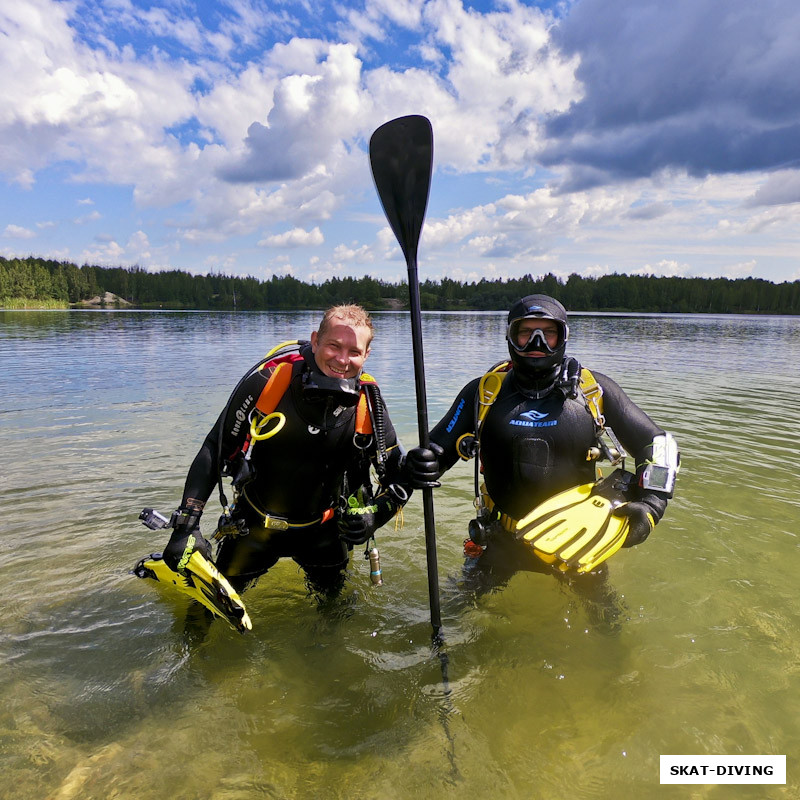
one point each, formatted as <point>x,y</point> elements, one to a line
<point>37,282</point>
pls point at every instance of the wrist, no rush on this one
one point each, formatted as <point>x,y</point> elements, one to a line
<point>186,517</point>
<point>656,505</point>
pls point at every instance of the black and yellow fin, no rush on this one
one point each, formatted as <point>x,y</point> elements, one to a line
<point>202,582</point>
<point>577,528</point>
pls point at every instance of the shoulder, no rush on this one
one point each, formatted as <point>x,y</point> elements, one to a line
<point>601,378</point>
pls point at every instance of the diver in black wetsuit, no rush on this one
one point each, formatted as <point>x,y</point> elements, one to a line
<point>539,437</point>
<point>330,426</point>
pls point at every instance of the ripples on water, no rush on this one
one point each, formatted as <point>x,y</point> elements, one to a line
<point>105,696</point>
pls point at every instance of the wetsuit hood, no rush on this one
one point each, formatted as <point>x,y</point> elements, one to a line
<point>320,387</point>
<point>537,375</point>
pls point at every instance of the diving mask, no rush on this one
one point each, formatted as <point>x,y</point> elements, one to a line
<point>536,340</point>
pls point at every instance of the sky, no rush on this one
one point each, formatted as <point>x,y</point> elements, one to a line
<point>593,137</point>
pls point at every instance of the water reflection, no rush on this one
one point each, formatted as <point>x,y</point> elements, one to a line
<point>102,414</point>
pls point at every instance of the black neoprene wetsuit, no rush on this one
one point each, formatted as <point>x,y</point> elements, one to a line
<point>532,448</point>
<point>298,475</point>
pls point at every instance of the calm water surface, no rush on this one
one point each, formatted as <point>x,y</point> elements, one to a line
<point>103,696</point>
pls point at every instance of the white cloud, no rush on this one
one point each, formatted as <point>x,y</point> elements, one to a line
<point>297,237</point>
<point>108,116</point>
<point>359,254</point>
<point>248,131</point>
<point>92,217</point>
<point>670,269</point>
<point>779,188</point>
<point>108,254</point>
<point>18,232</point>
<point>289,145</point>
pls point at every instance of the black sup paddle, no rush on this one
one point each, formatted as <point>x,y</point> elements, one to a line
<point>401,156</point>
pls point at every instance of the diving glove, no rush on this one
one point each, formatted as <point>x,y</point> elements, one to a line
<point>643,515</point>
<point>185,539</point>
<point>422,470</point>
<point>358,523</point>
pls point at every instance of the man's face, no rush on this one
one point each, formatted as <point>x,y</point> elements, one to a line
<point>342,349</point>
<point>524,328</point>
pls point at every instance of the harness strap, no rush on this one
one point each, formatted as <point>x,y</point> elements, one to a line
<point>274,389</point>
<point>508,522</point>
<point>276,386</point>
<point>488,390</point>
<point>363,416</point>
<point>593,394</point>
<point>279,523</point>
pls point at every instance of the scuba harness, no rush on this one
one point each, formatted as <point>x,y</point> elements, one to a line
<point>575,381</point>
<point>264,422</point>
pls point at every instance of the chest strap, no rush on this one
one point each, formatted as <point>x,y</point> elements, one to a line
<point>276,522</point>
<point>508,522</point>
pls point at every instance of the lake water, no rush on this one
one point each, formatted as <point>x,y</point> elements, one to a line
<point>104,697</point>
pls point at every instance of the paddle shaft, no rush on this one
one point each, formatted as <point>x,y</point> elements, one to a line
<point>424,441</point>
<point>401,156</point>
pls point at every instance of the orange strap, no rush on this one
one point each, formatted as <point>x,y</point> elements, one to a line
<point>363,418</point>
<point>279,381</point>
<point>275,388</point>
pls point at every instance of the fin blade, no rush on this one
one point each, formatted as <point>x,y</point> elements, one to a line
<point>203,583</point>
<point>576,529</point>
<point>536,522</point>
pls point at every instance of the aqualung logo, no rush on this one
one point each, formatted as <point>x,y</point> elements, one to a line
<point>534,419</point>
<point>459,409</point>
<point>241,415</point>
<point>533,415</point>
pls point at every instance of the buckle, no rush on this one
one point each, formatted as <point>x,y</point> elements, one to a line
<point>276,523</point>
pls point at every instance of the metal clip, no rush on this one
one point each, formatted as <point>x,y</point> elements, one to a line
<point>276,523</point>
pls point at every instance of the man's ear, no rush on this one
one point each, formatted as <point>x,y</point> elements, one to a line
<point>314,339</point>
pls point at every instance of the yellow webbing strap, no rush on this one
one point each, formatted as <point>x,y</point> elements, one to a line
<point>281,346</point>
<point>508,523</point>
<point>492,381</point>
<point>488,389</point>
<point>593,394</point>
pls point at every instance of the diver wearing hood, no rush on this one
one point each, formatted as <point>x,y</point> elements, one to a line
<point>537,334</point>
<point>317,387</point>
<point>298,436</point>
<point>536,434</point>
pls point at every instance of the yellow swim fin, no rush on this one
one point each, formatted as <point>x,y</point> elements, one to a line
<point>203,582</point>
<point>577,529</point>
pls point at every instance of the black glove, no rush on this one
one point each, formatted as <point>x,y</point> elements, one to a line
<point>643,515</point>
<point>421,468</point>
<point>358,523</point>
<point>185,539</point>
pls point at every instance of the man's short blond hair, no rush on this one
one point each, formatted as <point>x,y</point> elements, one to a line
<point>349,312</point>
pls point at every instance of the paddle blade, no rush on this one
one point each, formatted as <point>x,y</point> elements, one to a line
<point>401,157</point>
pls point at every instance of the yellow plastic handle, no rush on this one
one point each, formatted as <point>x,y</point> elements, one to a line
<point>487,390</point>
<point>257,426</point>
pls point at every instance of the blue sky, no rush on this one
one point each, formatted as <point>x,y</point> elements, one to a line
<point>587,136</point>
